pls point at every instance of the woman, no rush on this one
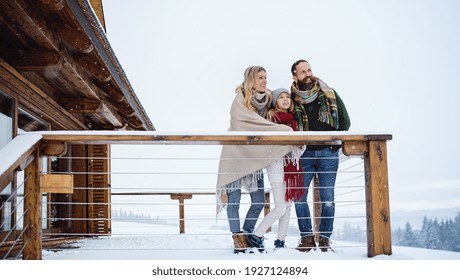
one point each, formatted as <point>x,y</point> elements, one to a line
<point>241,166</point>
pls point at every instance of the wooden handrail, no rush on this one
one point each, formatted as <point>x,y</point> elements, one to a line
<point>226,138</point>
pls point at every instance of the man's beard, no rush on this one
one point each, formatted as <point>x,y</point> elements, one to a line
<point>307,83</point>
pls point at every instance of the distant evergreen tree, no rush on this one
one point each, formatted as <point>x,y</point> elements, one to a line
<point>442,235</point>
<point>409,238</point>
<point>122,215</point>
<point>430,234</point>
<point>455,234</point>
<point>397,236</point>
<point>445,234</point>
<point>351,233</point>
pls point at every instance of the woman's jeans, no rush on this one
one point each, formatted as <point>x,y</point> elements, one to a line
<point>325,163</point>
<point>233,207</point>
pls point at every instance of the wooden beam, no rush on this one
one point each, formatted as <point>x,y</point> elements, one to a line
<point>56,148</point>
<point>354,148</point>
<point>33,211</point>
<point>94,67</point>
<point>316,219</point>
<point>77,78</point>
<point>115,95</point>
<point>33,60</point>
<point>35,100</point>
<point>135,122</point>
<point>25,162</point>
<point>378,201</point>
<point>108,112</point>
<point>73,38</point>
<point>21,13</point>
<point>176,139</point>
<point>54,5</point>
<point>181,197</point>
<point>228,138</point>
<point>267,208</point>
<point>81,105</point>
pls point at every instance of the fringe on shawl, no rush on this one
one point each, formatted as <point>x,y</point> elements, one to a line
<point>248,182</point>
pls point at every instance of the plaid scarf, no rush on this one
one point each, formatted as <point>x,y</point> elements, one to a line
<point>328,112</point>
<point>293,176</point>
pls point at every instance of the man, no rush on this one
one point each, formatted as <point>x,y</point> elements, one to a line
<point>318,108</point>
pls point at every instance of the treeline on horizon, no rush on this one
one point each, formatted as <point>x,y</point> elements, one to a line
<point>434,234</point>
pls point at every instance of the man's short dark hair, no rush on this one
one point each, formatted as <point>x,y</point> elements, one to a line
<point>294,66</point>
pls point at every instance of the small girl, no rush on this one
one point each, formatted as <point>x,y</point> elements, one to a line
<point>284,175</point>
<point>282,112</point>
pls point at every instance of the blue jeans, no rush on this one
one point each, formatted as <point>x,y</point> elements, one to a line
<point>257,204</point>
<point>325,163</point>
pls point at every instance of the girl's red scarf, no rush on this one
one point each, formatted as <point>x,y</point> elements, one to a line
<point>293,175</point>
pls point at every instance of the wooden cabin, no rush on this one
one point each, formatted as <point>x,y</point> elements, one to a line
<point>58,72</point>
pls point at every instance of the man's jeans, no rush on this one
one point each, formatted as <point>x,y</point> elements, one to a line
<point>257,204</point>
<point>325,163</point>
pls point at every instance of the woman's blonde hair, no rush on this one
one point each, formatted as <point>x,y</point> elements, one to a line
<point>249,84</point>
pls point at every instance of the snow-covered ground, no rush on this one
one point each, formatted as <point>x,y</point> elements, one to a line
<point>141,251</point>
<point>138,241</point>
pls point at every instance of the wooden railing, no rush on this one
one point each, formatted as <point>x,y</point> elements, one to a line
<point>22,154</point>
<point>372,147</point>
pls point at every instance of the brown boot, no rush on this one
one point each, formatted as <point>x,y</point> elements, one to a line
<point>239,243</point>
<point>306,243</point>
<point>324,244</point>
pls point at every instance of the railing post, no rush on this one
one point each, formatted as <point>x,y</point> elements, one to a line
<point>267,207</point>
<point>181,197</point>
<point>377,193</point>
<point>33,211</point>
<point>377,198</point>
<point>316,207</point>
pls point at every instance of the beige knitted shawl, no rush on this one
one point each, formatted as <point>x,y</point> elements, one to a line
<point>239,161</point>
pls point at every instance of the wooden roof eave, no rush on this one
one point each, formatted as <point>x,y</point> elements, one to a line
<point>92,27</point>
<point>31,95</point>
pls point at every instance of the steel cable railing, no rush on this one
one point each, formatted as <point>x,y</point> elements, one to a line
<point>349,182</point>
<point>10,238</point>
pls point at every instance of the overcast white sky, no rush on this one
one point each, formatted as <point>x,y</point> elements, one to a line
<point>395,64</point>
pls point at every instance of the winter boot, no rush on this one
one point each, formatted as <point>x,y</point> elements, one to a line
<point>306,243</point>
<point>324,244</point>
<point>239,243</point>
<point>279,244</point>
<point>256,242</point>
